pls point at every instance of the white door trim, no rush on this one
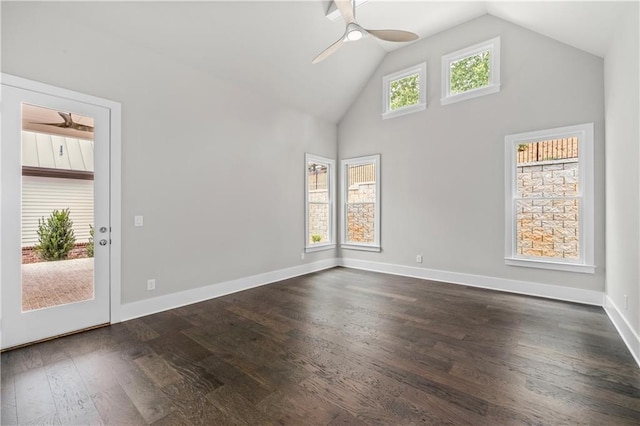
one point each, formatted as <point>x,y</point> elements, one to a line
<point>115,178</point>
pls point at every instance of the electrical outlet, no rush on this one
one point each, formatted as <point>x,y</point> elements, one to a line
<point>302,256</point>
<point>151,284</point>
<point>418,258</point>
<point>626,302</point>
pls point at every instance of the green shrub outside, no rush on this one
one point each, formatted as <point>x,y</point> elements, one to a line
<point>90,245</point>
<point>55,236</point>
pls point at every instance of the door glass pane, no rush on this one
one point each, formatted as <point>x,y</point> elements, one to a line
<point>57,207</point>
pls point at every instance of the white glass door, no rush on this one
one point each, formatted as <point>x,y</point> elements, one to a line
<point>55,246</point>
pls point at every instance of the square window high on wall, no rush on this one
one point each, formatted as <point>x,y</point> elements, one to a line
<point>405,91</point>
<point>549,204</point>
<point>320,210</point>
<point>471,72</point>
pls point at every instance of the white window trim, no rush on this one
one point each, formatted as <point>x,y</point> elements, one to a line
<point>493,46</point>
<point>586,263</point>
<point>331,176</point>
<point>375,246</point>
<point>421,70</point>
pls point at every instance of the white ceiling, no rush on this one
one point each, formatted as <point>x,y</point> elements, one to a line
<point>267,46</point>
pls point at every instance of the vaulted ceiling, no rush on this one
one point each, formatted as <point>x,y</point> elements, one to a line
<point>267,46</point>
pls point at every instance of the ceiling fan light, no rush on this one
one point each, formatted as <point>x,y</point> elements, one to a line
<point>354,35</point>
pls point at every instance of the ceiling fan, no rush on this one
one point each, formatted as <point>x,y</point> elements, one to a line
<point>354,32</point>
<point>68,123</point>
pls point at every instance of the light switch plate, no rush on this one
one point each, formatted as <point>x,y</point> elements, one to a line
<point>138,221</point>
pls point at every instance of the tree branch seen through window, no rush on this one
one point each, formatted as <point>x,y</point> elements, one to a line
<point>405,92</point>
<point>471,72</point>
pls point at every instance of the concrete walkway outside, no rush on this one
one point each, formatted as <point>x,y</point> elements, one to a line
<point>47,284</point>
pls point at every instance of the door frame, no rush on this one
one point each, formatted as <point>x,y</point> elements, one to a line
<point>115,175</point>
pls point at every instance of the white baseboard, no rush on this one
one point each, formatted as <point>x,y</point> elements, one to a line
<point>174,300</point>
<point>629,336</point>
<point>568,294</point>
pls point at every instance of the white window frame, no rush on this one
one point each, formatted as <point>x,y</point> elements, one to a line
<point>344,164</point>
<point>421,70</point>
<point>331,183</point>
<point>493,46</point>
<point>586,261</point>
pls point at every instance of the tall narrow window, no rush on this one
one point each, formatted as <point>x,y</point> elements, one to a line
<point>471,72</point>
<point>549,199</point>
<point>361,203</point>
<point>404,91</point>
<point>320,203</point>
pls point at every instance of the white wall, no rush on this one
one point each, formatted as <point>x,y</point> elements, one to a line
<point>622,94</point>
<point>443,168</point>
<point>216,170</point>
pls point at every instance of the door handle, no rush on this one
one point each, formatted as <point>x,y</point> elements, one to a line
<point>103,242</point>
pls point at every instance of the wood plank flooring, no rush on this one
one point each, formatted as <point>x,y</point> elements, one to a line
<point>335,347</point>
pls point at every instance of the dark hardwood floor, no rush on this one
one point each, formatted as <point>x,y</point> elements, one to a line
<point>335,347</point>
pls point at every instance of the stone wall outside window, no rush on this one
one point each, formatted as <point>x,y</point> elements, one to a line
<point>548,226</point>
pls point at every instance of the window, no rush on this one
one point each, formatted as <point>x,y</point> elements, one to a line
<point>405,91</point>
<point>549,199</point>
<point>471,72</point>
<point>361,203</point>
<point>320,213</point>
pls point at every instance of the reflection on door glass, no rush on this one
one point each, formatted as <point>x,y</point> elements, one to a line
<point>57,207</point>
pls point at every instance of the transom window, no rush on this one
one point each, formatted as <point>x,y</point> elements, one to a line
<point>404,92</point>
<point>320,203</point>
<point>471,72</point>
<point>549,199</point>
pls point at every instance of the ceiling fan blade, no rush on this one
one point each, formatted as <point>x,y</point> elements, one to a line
<point>346,9</point>
<point>81,127</point>
<point>393,35</point>
<point>66,116</point>
<point>328,51</point>
<point>50,124</point>
<point>72,125</point>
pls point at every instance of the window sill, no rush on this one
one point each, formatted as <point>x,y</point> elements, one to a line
<point>319,247</point>
<point>404,111</point>
<point>361,247</point>
<point>547,264</point>
<point>487,90</point>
